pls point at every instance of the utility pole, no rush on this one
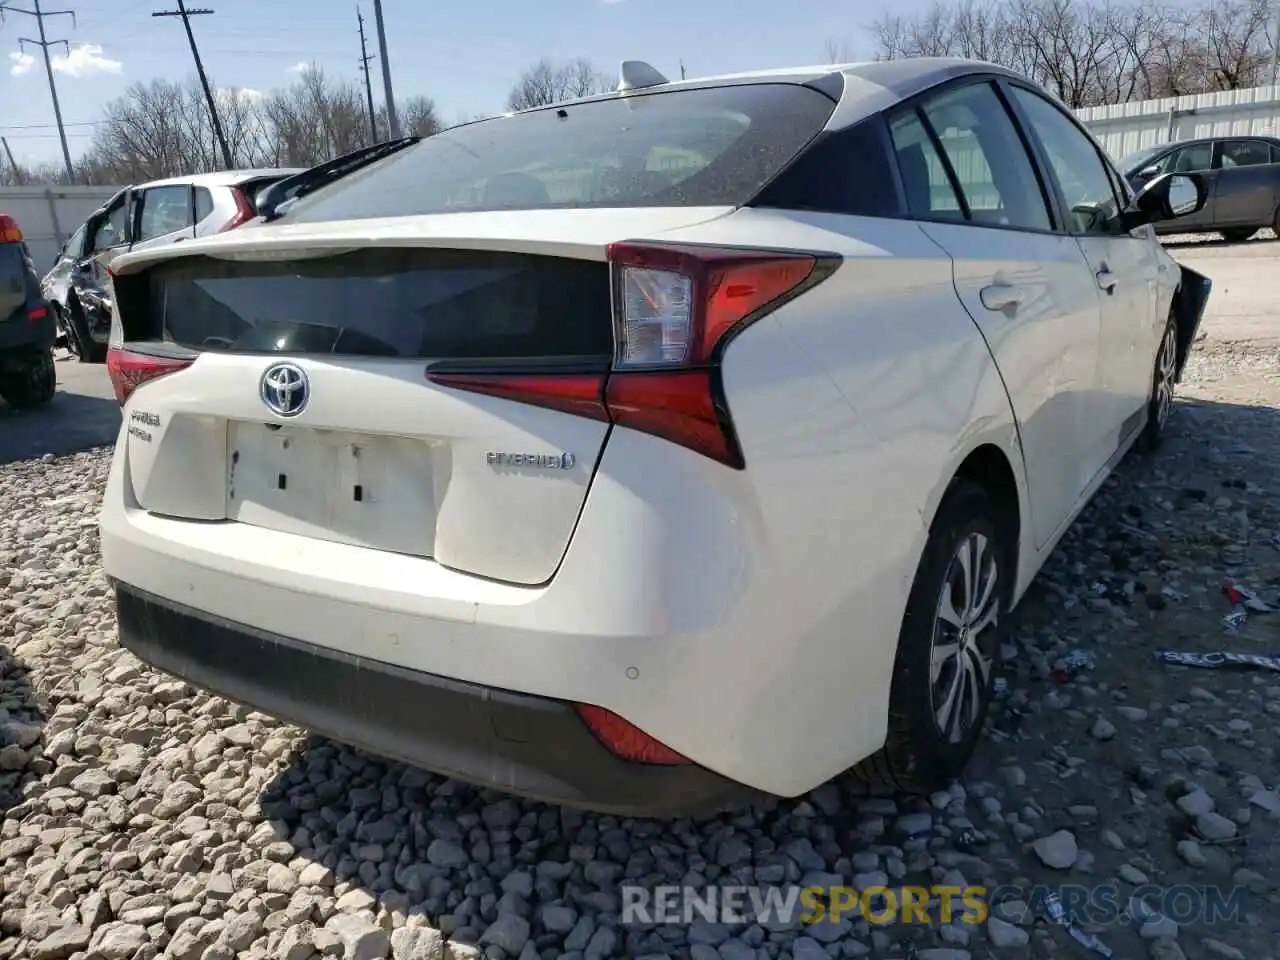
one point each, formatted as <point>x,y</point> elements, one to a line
<point>368,81</point>
<point>44,44</point>
<point>186,16</point>
<point>14,173</point>
<point>393,122</point>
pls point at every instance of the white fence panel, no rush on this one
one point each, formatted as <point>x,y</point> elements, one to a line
<point>49,215</point>
<point>1123,128</point>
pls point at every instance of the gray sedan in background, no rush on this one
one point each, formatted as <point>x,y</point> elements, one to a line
<point>1243,176</point>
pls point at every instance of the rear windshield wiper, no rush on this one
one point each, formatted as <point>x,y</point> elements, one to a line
<point>312,179</point>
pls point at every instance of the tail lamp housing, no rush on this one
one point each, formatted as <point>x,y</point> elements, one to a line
<point>129,369</point>
<point>675,310</point>
<point>245,210</point>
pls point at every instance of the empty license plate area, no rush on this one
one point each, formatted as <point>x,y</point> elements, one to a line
<point>332,485</point>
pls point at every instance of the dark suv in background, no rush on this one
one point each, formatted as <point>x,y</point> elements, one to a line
<point>1243,176</point>
<point>27,375</point>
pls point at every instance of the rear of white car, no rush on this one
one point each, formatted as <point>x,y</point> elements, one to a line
<point>465,488</point>
<point>650,450</point>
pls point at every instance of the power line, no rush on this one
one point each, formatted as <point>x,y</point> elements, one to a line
<point>393,122</point>
<point>44,43</point>
<point>368,82</point>
<point>186,16</point>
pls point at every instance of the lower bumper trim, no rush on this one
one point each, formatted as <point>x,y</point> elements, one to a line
<point>529,746</point>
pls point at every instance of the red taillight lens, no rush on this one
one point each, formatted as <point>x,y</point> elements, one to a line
<point>626,741</point>
<point>37,313</point>
<point>673,305</point>
<point>675,308</point>
<point>128,370</point>
<point>244,211</point>
<point>9,230</point>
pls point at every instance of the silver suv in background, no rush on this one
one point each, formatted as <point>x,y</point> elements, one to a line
<point>138,218</point>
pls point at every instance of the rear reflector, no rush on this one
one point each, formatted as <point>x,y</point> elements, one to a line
<point>129,370</point>
<point>675,310</point>
<point>626,741</point>
<point>37,313</point>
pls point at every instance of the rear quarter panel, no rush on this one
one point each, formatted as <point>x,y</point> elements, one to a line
<point>854,404</point>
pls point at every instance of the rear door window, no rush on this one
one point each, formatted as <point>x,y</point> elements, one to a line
<point>706,147</point>
<point>164,210</point>
<point>1244,153</point>
<point>984,154</point>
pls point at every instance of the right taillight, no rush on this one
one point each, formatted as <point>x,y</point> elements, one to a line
<point>129,370</point>
<point>675,308</point>
<point>245,211</point>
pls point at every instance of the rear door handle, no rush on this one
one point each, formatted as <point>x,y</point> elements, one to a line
<point>1001,296</point>
<point>1106,280</point>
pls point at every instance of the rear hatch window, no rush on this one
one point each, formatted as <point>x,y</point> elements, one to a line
<point>702,147</point>
<point>406,303</point>
<point>17,280</point>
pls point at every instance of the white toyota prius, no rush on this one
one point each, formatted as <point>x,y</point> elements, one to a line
<point>649,452</point>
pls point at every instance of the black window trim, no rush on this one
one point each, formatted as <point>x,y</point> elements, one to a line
<point>993,81</point>
<point>1042,158</point>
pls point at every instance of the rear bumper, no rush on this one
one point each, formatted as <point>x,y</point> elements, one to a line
<point>531,746</point>
<point>20,333</point>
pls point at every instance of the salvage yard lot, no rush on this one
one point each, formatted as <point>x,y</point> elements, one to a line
<point>139,818</point>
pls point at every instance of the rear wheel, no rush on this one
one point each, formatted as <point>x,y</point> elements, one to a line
<point>1164,379</point>
<point>82,346</point>
<point>1239,234</point>
<point>32,384</point>
<point>947,648</point>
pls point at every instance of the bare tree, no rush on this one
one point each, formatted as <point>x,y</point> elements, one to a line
<point>1096,51</point>
<point>546,82</point>
<point>836,51</point>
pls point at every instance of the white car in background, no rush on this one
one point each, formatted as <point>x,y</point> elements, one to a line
<point>142,217</point>
<point>651,451</point>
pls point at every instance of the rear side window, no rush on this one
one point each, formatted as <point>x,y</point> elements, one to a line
<point>843,172</point>
<point>204,203</point>
<point>18,282</point>
<point>423,304</point>
<point>1244,153</point>
<point>707,147</point>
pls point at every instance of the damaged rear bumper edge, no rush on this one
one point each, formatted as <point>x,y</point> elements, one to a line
<point>525,745</point>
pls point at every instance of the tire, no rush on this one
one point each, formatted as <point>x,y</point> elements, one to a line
<point>1163,380</point>
<point>84,349</point>
<point>1239,234</point>
<point>33,387</point>
<point>922,753</point>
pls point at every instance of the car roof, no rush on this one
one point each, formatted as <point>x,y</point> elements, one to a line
<point>866,87</point>
<point>222,178</point>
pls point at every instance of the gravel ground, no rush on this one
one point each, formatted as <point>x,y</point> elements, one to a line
<point>139,818</point>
